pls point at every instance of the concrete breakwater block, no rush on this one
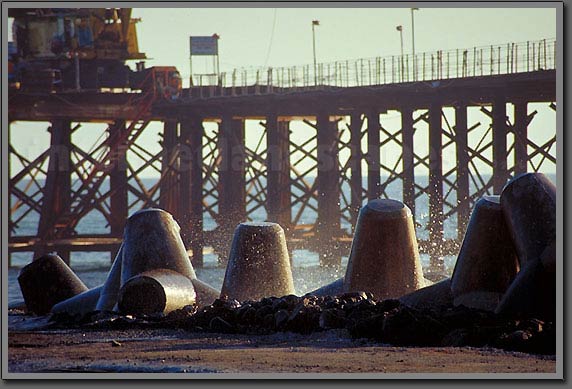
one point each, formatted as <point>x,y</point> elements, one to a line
<point>156,291</point>
<point>529,205</point>
<point>206,294</point>
<point>533,292</point>
<point>79,304</point>
<point>384,258</point>
<point>108,295</point>
<point>332,289</point>
<point>487,262</point>
<point>438,294</point>
<point>258,265</point>
<point>47,281</point>
<point>152,240</point>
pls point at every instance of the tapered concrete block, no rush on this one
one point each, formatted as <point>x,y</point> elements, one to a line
<point>47,281</point>
<point>384,258</point>
<point>533,291</point>
<point>80,304</point>
<point>152,240</point>
<point>435,295</point>
<point>332,289</point>
<point>529,205</point>
<point>206,294</point>
<point>110,289</point>
<point>156,291</point>
<point>258,264</point>
<point>487,262</point>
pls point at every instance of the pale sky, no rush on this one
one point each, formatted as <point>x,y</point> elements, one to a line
<point>283,37</point>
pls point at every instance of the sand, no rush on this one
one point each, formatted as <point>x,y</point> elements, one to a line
<point>179,351</point>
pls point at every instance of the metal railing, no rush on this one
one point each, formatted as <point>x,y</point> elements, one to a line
<point>491,60</point>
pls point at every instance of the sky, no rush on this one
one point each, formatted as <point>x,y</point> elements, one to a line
<point>256,37</point>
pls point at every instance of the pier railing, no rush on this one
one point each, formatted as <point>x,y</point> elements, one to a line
<point>478,61</point>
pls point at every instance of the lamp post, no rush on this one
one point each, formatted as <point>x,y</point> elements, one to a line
<point>413,41</point>
<point>400,29</point>
<point>315,23</point>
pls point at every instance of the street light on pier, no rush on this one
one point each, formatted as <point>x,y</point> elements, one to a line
<point>315,23</point>
<point>400,29</point>
<point>413,41</point>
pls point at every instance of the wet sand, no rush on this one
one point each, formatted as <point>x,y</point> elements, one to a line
<point>179,351</point>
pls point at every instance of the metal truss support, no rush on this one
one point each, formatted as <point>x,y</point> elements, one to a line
<point>356,157</point>
<point>408,158</point>
<point>435,189</point>
<point>278,198</point>
<point>462,151</point>
<point>520,136</point>
<point>500,172</point>
<point>373,155</point>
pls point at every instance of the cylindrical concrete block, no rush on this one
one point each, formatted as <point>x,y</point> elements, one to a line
<point>258,265</point>
<point>156,291</point>
<point>529,205</point>
<point>152,240</point>
<point>206,294</point>
<point>332,289</point>
<point>47,281</point>
<point>384,258</point>
<point>108,295</point>
<point>487,262</point>
<point>80,304</point>
<point>436,295</point>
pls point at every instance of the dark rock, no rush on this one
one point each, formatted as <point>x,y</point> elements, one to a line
<point>407,327</point>
<point>280,318</point>
<point>332,318</point>
<point>304,320</point>
<point>218,324</point>
<point>368,327</point>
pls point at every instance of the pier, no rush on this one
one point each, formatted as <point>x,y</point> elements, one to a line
<point>216,173</point>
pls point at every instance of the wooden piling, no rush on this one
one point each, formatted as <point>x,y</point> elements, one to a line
<point>408,158</point>
<point>191,186</point>
<point>328,223</point>
<point>169,169</point>
<point>373,156</point>
<point>461,145</point>
<point>278,201</point>
<point>435,188</point>
<point>232,181</point>
<point>520,136</point>
<point>356,157</point>
<point>57,189</point>
<point>118,188</point>
<point>500,173</point>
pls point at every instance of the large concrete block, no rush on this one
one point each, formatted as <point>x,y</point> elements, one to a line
<point>259,265</point>
<point>487,262</point>
<point>384,258</point>
<point>47,281</point>
<point>79,304</point>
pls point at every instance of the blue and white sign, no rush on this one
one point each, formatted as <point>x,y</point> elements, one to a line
<point>204,45</point>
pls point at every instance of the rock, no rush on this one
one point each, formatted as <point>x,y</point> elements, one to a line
<point>304,320</point>
<point>332,318</point>
<point>407,327</point>
<point>218,324</point>
<point>280,318</point>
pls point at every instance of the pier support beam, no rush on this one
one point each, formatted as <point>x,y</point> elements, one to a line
<point>191,187</point>
<point>435,189</point>
<point>520,136</point>
<point>232,179</point>
<point>328,223</point>
<point>500,173</point>
<point>278,169</point>
<point>169,166</point>
<point>373,155</point>
<point>118,187</point>
<point>408,160</point>
<point>57,189</point>
<point>461,145</point>
<point>356,157</point>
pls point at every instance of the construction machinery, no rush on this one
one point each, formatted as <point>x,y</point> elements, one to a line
<point>81,49</point>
